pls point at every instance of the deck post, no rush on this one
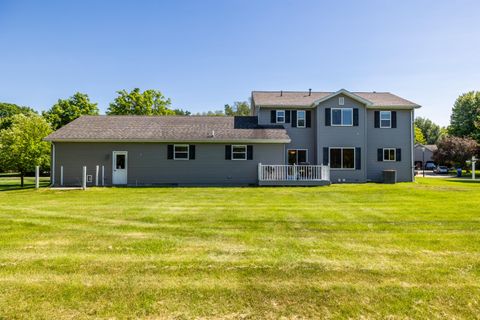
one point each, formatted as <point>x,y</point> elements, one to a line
<point>37,177</point>
<point>61,175</point>
<point>103,176</point>
<point>97,168</point>
<point>84,178</point>
<point>260,171</point>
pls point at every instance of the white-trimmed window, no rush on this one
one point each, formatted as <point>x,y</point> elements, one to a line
<point>301,116</point>
<point>180,152</point>
<point>389,154</point>
<point>297,156</point>
<point>342,158</point>
<point>342,117</point>
<point>341,101</point>
<point>280,116</point>
<point>239,152</point>
<point>385,119</point>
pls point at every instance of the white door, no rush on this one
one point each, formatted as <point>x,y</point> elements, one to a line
<point>119,174</point>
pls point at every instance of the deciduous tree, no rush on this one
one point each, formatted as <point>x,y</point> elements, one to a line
<point>149,103</point>
<point>431,131</point>
<point>419,138</point>
<point>67,110</point>
<point>8,110</point>
<point>239,108</point>
<point>455,151</point>
<point>465,119</point>
<point>22,146</point>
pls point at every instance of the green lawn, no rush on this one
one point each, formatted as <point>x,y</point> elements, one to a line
<point>410,250</point>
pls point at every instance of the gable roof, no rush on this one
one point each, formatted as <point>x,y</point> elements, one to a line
<point>169,129</point>
<point>431,147</point>
<point>304,99</point>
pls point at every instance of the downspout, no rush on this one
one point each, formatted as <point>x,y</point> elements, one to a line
<point>52,167</point>
<point>365,145</point>
<point>412,114</point>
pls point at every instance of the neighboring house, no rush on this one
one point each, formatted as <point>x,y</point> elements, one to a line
<point>293,138</point>
<point>419,154</point>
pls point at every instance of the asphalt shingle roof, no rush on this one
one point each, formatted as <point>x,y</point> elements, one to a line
<point>303,99</point>
<point>169,129</point>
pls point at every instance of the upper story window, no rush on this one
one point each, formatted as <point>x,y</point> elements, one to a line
<point>180,152</point>
<point>342,116</point>
<point>385,119</point>
<point>301,116</point>
<point>239,152</point>
<point>280,116</point>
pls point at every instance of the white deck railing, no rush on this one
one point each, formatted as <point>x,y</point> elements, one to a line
<point>278,172</point>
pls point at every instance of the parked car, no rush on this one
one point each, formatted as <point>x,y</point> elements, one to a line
<point>441,170</point>
<point>430,165</point>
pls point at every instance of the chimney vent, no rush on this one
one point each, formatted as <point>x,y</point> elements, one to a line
<point>281,93</point>
<point>309,92</point>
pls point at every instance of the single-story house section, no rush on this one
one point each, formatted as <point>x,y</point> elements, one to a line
<point>164,150</point>
<point>419,154</point>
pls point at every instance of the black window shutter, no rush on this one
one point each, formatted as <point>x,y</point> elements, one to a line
<point>325,156</point>
<point>228,152</point>
<point>358,158</point>
<point>399,154</point>
<point>328,122</point>
<point>294,118</point>
<point>249,152</point>
<point>379,154</point>
<point>377,119</point>
<point>287,116</point>
<point>170,151</point>
<point>355,117</point>
<point>394,119</point>
<point>308,119</point>
<point>191,150</point>
<point>273,116</point>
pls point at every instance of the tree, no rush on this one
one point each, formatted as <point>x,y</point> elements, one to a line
<point>149,103</point>
<point>8,110</point>
<point>216,113</point>
<point>431,131</point>
<point>455,151</point>
<point>238,109</point>
<point>67,110</point>
<point>419,138</point>
<point>181,112</point>
<point>465,119</point>
<point>22,146</point>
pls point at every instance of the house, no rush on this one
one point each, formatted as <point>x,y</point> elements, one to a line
<point>292,138</point>
<point>423,153</point>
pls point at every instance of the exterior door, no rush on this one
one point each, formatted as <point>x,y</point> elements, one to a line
<point>297,156</point>
<point>119,174</point>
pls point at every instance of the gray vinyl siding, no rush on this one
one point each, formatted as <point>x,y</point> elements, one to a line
<point>419,154</point>
<point>302,138</point>
<point>399,137</point>
<point>336,136</point>
<point>148,164</point>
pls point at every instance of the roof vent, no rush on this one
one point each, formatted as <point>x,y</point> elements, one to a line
<point>213,134</point>
<point>281,93</point>
<point>309,92</point>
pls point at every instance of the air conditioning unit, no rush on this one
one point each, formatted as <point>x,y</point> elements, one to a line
<point>389,176</point>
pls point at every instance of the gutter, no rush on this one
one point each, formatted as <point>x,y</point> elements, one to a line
<point>262,141</point>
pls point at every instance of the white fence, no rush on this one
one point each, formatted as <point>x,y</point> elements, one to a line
<point>293,172</point>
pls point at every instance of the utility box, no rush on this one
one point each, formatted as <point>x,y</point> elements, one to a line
<point>389,176</point>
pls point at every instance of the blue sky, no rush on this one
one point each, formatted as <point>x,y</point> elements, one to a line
<point>204,54</point>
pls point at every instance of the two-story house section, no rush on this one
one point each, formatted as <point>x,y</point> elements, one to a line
<point>358,134</point>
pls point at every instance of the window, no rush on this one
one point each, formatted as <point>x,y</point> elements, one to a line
<point>280,116</point>
<point>239,152</point>
<point>342,117</point>
<point>385,119</point>
<point>297,156</point>
<point>341,101</point>
<point>342,158</point>
<point>389,154</point>
<point>180,152</point>
<point>301,118</point>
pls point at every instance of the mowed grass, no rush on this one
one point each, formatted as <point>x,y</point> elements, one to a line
<point>410,250</point>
